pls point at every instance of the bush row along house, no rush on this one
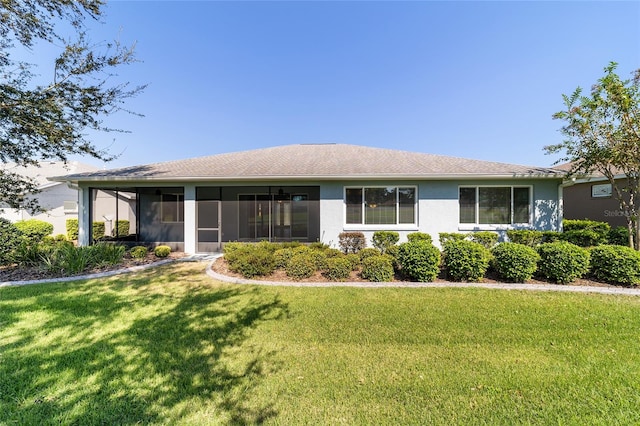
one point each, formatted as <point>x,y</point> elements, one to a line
<point>313,192</point>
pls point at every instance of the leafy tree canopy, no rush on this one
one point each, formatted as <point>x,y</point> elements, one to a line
<point>50,121</point>
<point>602,135</point>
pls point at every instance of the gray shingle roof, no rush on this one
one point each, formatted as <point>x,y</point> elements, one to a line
<point>316,161</point>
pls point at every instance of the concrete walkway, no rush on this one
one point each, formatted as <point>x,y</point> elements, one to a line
<point>224,278</point>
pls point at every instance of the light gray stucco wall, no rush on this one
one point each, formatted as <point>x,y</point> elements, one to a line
<point>438,209</point>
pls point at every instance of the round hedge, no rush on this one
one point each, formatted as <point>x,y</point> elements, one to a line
<point>377,268</point>
<point>338,268</point>
<point>515,262</point>
<point>562,261</point>
<point>10,237</point>
<point>466,260</point>
<point>301,265</point>
<point>616,264</point>
<point>138,252</point>
<point>419,260</point>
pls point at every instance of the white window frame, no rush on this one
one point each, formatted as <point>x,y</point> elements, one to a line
<point>495,226</point>
<point>382,227</point>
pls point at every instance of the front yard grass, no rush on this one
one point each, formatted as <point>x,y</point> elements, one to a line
<point>170,345</point>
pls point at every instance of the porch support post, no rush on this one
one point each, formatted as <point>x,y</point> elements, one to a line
<point>84,221</point>
<point>190,246</point>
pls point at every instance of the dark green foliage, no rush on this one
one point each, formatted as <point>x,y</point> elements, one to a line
<point>616,264</point>
<point>338,268</point>
<point>585,233</point>
<point>382,240</point>
<point>377,268</point>
<point>250,260</point>
<point>98,230</point>
<point>419,260</point>
<point>488,239</point>
<point>393,252</point>
<point>54,112</point>
<point>551,236</point>
<point>34,230</point>
<point>416,236</point>
<point>351,242</point>
<point>139,252</point>
<point>562,262</point>
<point>66,259</point>
<point>515,262</point>
<point>466,260</point>
<point>122,227</point>
<point>162,251</point>
<point>527,237</point>
<point>584,237</point>
<point>72,229</point>
<point>10,237</point>
<point>445,237</point>
<point>368,252</point>
<point>619,236</point>
<point>300,266</point>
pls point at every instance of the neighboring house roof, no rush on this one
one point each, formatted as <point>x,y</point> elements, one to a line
<point>316,161</point>
<point>593,176</point>
<point>48,169</point>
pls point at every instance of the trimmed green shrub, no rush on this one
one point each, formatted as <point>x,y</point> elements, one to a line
<point>34,230</point>
<point>382,240</point>
<point>616,264</point>
<point>162,251</point>
<point>122,228</point>
<point>60,237</point>
<point>600,228</point>
<point>139,252</point>
<point>318,245</point>
<point>332,252</point>
<point>72,229</point>
<point>445,237</point>
<point>281,257</point>
<point>351,242</point>
<point>368,252</point>
<point>551,236</point>
<point>337,268</point>
<point>562,262</point>
<point>619,236</point>
<point>301,266</point>
<point>527,237</point>
<point>377,268</point>
<point>354,260</point>
<point>583,237</point>
<point>10,237</point>
<point>419,260</point>
<point>393,252</point>
<point>98,230</point>
<point>466,260</point>
<point>319,259</point>
<point>250,260</point>
<point>488,239</point>
<point>419,236</point>
<point>515,262</point>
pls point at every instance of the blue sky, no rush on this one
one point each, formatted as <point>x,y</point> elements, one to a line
<point>467,79</point>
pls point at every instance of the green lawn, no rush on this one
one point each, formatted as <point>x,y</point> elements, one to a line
<point>170,345</point>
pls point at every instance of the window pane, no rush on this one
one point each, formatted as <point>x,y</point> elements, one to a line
<point>406,205</point>
<point>380,206</point>
<point>521,206</point>
<point>467,202</point>
<point>354,205</point>
<point>494,205</point>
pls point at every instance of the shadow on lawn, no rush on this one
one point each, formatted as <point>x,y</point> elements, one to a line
<point>161,347</point>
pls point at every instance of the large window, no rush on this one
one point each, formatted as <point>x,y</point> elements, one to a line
<point>495,205</point>
<point>389,205</point>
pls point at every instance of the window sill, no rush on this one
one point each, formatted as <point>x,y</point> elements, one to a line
<point>487,227</point>
<point>404,227</point>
